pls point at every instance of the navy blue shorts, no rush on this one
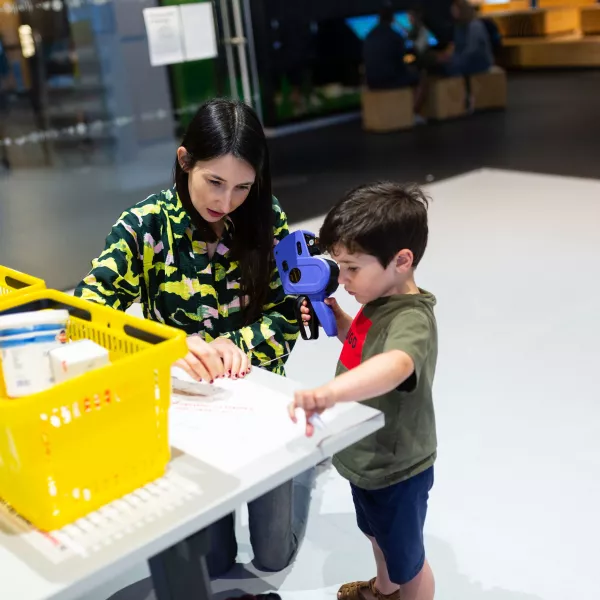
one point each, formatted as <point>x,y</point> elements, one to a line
<point>395,517</point>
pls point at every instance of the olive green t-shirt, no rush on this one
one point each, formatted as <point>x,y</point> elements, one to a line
<point>406,446</point>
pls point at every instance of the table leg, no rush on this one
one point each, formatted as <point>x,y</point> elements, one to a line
<point>180,572</point>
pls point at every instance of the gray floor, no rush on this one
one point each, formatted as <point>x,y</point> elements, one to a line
<point>514,511</point>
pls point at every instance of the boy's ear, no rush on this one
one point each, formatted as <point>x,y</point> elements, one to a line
<point>404,261</point>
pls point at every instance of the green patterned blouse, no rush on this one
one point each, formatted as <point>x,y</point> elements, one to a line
<point>153,255</point>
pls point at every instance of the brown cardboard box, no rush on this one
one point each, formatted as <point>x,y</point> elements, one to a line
<point>566,51</point>
<point>387,110</point>
<point>563,3</point>
<point>489,89</point>
<point>590,20</point>
<point>446,98</point>
<point>538,22</point>
<point>485,9</point>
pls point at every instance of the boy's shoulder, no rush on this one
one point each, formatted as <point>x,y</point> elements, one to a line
<point>407,323</point>
<point>402,322</point>
<point>393,310</point>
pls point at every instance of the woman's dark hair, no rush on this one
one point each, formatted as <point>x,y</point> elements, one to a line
<point>222,127</point>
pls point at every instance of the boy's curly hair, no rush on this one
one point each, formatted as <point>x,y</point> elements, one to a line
<point>379,219</point>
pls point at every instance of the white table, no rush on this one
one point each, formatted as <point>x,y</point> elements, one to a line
<point>192,496</point>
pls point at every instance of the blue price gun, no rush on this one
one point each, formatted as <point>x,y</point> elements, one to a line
<point>310,277</point>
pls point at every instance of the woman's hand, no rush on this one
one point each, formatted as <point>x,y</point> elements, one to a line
<point>235,361</point>
<point>203,361</point>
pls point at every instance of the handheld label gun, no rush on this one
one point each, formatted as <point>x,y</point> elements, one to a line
<point>310,277</point>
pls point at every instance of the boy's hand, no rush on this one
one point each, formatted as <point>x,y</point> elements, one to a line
<point>338,313</point>
<point>305,312</point>
<point>313,402</point>
<point>342,319</point>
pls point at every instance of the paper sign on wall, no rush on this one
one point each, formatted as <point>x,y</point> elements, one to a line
<point>165,38</point>
<point>180,33</point>
<point>198,25</point>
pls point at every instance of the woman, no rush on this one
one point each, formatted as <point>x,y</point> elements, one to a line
<point>200,257</point>
<point>384,51</point>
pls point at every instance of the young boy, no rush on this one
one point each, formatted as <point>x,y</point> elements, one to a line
<point>378,234</point>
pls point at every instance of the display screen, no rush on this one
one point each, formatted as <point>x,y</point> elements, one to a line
<point>363,25</point>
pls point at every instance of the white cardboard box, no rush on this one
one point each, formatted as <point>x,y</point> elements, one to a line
<point>77,358</point>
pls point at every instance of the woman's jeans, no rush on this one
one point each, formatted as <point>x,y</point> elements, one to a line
<point>277,524</point>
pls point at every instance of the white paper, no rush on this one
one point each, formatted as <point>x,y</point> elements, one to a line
<point>198,26</point>
<point>255,419</point>
<point>165,36</point>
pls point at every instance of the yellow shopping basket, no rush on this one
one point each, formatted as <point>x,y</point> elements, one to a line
<point>90,440</point>
<point>13,284</point>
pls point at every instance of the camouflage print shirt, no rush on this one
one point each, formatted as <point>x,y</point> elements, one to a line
<point>154,255</point>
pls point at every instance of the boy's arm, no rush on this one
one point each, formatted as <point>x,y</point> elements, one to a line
<point>375,377</point>
<point>404,354</point>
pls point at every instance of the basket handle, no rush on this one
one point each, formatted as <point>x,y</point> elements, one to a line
<point>85,315</point>
<point>144,336</point>
<point>48,304</point>
<point>15,284</point>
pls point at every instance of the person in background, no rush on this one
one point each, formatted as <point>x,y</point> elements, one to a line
<point>199,257</point>
<point>384,56</point>
<point>471,52</point>
<point>385,62</point>
<point>418,34</point>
